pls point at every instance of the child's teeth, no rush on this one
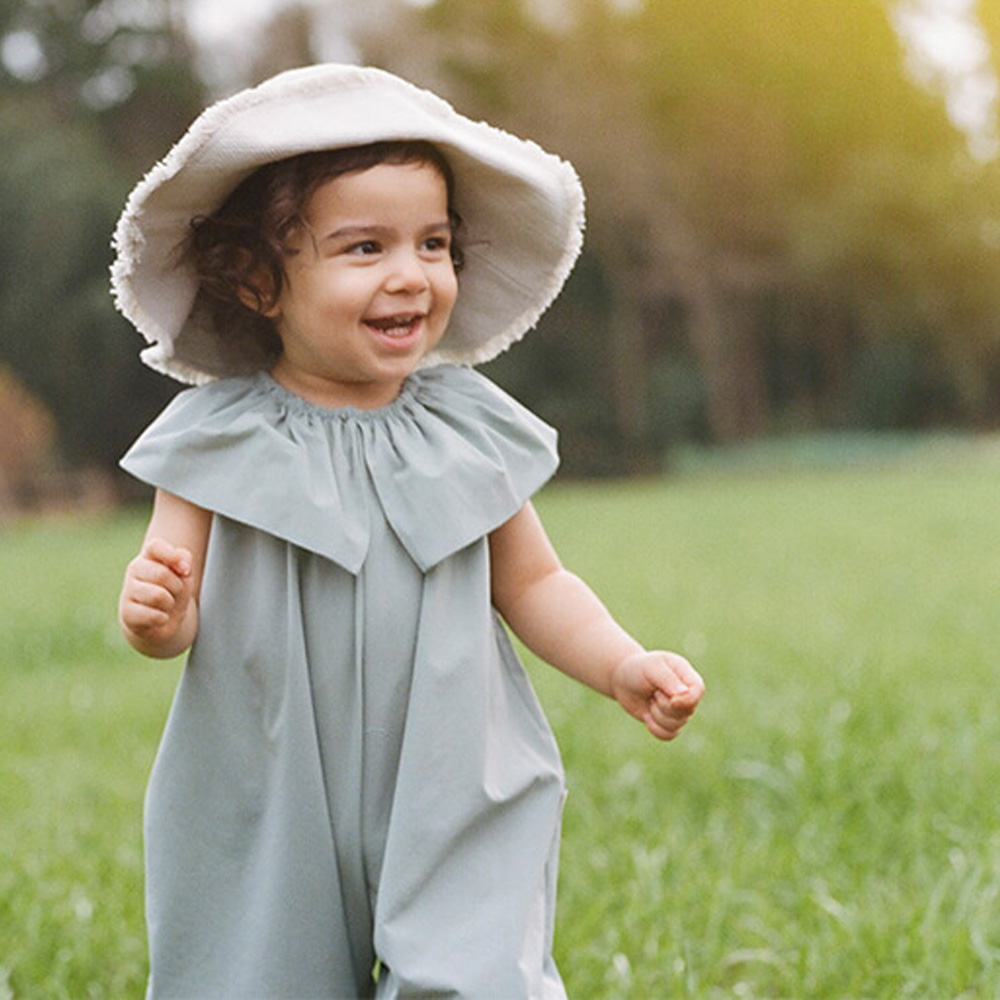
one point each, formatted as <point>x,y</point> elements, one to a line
<point>394,326</point>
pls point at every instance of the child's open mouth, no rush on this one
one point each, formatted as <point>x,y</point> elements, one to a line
<point>395,326</point>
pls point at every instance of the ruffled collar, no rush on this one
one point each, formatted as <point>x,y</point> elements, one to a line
<point>448,461</point>
<point>265,384</point>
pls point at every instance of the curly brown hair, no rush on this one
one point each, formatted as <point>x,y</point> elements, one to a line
<point>239,251</point>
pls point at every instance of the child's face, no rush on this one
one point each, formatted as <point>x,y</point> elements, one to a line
<point>370,286</point>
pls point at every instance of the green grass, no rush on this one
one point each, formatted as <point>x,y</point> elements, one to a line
<point>828,826</point>
<point>79,721</point>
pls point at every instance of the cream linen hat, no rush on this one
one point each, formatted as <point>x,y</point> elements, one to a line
<point>522,210</point>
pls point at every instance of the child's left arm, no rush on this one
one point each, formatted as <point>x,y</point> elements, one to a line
<point>558,617</point>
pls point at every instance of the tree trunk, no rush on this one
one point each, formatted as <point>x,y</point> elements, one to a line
<point>725,342</point>
<point>628,380</point>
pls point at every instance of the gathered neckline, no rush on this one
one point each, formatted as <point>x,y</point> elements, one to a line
<point>295,403</point>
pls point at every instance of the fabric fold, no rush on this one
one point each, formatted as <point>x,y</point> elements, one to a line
<point>451,444</point>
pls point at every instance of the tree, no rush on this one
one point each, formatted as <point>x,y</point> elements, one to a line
<point>96,88</point>
<point>786,229</point>
<point>768,168</point>
<point>61,333</point>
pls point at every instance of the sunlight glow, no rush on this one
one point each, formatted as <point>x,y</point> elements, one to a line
<point>21,54</point>
<point>948,52</point>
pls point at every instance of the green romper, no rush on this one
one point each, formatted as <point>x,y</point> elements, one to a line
<point>355,767</point>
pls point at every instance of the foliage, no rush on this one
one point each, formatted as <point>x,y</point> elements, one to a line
<point>746,162</point>
<point>118,67</point>
<point>827,826</point>
<point>60,330</point>
<point>106,92</point>
<point>786,229</point>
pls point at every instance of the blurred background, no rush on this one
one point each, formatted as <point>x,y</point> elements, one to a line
<point>794,208</point>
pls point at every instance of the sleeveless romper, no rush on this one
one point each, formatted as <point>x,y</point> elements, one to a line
<point>355,771</point>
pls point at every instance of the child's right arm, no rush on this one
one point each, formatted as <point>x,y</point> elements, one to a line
<point>158,609</point>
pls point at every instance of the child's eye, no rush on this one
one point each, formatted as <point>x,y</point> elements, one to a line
<point>437,244</point>
<point>364,248</point>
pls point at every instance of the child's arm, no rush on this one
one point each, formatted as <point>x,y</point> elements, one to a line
<point>158,609</point>
<point>560,618</point>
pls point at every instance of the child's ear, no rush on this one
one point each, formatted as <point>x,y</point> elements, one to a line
<point>258,296</point>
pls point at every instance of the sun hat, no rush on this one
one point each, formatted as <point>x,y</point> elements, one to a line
<point>522,210</point>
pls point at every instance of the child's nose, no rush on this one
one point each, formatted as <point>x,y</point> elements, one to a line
<point>407,273</point>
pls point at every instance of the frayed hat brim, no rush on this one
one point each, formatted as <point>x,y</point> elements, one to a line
<point>522,210</point>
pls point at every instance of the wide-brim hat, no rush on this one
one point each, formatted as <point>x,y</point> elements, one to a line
<point>522,210</point>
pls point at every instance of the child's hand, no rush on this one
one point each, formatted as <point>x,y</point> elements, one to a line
<point>156,595</point>
<point>660,689</point>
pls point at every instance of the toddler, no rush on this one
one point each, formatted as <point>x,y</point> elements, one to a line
<point>356,793</point>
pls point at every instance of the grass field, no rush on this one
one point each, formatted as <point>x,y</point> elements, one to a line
<point>826,827</point>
